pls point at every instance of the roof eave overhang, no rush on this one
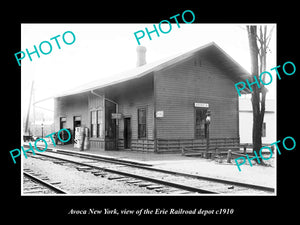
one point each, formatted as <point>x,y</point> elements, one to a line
<point>235,71</point>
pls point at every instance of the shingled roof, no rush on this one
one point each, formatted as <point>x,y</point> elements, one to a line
<point>236,72</point>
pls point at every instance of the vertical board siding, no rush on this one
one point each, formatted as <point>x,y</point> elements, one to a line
<point>70,106</point>
<point>78,105</point>
<point>176,145</point>
<point>178,87</point>
<point>97,144</point>
<point>142,145</point>
<point>95,103</point>
<point>145,145</point>
<point>137,95</point>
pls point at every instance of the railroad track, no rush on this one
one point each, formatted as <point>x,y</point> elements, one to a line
<point>36,184</point>
<point>162,181</point>
<point>149,167</point>
<point>159,185</point>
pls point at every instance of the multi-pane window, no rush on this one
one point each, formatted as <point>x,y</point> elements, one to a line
<point>93,124</point>
<point>142,123</point>
<point>200,125</point>
<point>99,122</point>
<point>96,123</point>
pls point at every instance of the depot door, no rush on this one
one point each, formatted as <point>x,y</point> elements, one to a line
<point>127,133</point>
<point>110,126</point>
<point>200,125</point>
<point>76,123</point>
<point>63,122</point>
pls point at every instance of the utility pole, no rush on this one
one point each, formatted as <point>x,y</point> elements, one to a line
<point>28,111</point>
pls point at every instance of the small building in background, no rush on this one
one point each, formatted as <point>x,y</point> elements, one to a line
<point>246,121</point>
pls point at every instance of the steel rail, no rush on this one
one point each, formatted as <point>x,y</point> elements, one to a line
<point>44,183</point>
<point>145,178</point>
<point>134,164</point>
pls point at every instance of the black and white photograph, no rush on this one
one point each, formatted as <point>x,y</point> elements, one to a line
<point>108,111</point>
<point>140,113</point>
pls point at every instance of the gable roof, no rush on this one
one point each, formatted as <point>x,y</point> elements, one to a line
<point>219,56</point>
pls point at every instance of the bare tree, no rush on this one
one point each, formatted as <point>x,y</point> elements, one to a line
<point>258,52</point>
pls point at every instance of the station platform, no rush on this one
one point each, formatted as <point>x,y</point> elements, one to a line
<point>125,154</point>
<point>258,175</point>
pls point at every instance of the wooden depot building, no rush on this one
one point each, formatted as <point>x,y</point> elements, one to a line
<point>160,106</point>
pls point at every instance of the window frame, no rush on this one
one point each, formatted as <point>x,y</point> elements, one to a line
<point>139,130</point>
<point>200,134</point>
<point>98,123</point>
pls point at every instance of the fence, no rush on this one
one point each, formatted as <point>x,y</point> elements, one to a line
<point>177,145</point>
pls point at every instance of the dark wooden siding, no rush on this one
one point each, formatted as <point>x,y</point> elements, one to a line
<point>176,145</point>
<point>70,106</point>
<point>180,86</point>
<point>131,96</point>
<point>95,103</point>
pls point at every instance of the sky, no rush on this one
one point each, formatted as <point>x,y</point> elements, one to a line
<point>102,50</point>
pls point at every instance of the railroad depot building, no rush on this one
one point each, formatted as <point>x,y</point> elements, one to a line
<point>160,106</point>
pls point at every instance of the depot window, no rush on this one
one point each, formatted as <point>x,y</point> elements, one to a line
<point>142,123</point>
<point>96,123</point>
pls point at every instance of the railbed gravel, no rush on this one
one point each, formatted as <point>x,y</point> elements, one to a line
<point>80,182</point>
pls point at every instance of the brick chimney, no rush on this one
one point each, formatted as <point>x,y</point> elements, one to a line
<point>141,55</point>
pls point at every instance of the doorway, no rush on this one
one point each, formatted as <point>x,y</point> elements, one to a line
<point>62,123</point>
<point>76,121</point>
<point>110,126</point>
<point>127,133</point>
<point>200,125</point>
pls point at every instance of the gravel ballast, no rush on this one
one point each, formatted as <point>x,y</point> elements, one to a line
<point>80,182</point>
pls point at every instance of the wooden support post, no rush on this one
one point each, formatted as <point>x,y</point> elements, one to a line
<point>229,156</point>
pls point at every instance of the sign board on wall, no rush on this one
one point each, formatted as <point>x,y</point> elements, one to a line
<point>117,116</point>
<point>203,105</point>
<point>159,114</point>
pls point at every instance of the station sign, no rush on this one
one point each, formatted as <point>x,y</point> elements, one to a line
<point>117,116</point>
<point>159,114</point>
<point>202,105</point>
